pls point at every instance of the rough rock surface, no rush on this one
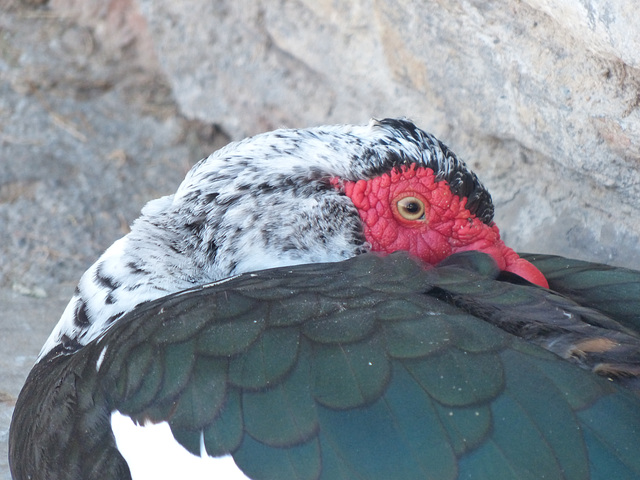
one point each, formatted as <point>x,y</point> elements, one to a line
<point>539,96</point>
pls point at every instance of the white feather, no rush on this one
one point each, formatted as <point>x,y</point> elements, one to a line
<point>153,454</point>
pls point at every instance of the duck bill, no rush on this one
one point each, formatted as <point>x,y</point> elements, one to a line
<point>508,260</point>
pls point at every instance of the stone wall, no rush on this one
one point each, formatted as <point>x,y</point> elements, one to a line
<point>539,96</point>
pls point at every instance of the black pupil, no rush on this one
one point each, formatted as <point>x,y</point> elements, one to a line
<point>412,207</point>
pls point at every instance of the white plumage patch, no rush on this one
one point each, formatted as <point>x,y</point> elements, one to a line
<point>153,454</point>
<point>101,358</point>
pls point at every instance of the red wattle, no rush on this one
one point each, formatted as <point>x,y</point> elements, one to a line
<point>509,261</point>
<point>446,226</point>
<point>528,271</point>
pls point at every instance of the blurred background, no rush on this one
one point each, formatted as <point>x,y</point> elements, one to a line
<point>106,104</point>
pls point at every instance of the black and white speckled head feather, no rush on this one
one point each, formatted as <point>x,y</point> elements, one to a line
<point>263,202</point>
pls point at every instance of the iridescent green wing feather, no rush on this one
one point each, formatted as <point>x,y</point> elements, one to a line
<point>615,291</point>
<point>372,368</point>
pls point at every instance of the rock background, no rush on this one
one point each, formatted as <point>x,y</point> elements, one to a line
<point>541,97</point>
<point>106,104</point>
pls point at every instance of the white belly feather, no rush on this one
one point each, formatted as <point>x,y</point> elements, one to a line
<point>153,454</point>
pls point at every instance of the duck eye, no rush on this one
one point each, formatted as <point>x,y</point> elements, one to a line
<point>411,208</point>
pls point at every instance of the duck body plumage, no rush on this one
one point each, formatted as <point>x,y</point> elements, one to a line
<point>374,367</point>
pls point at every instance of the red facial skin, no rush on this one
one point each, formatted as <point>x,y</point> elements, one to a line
<point>446,227</point>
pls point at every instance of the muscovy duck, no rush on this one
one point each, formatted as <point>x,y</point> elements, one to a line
<point>334,303</point>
